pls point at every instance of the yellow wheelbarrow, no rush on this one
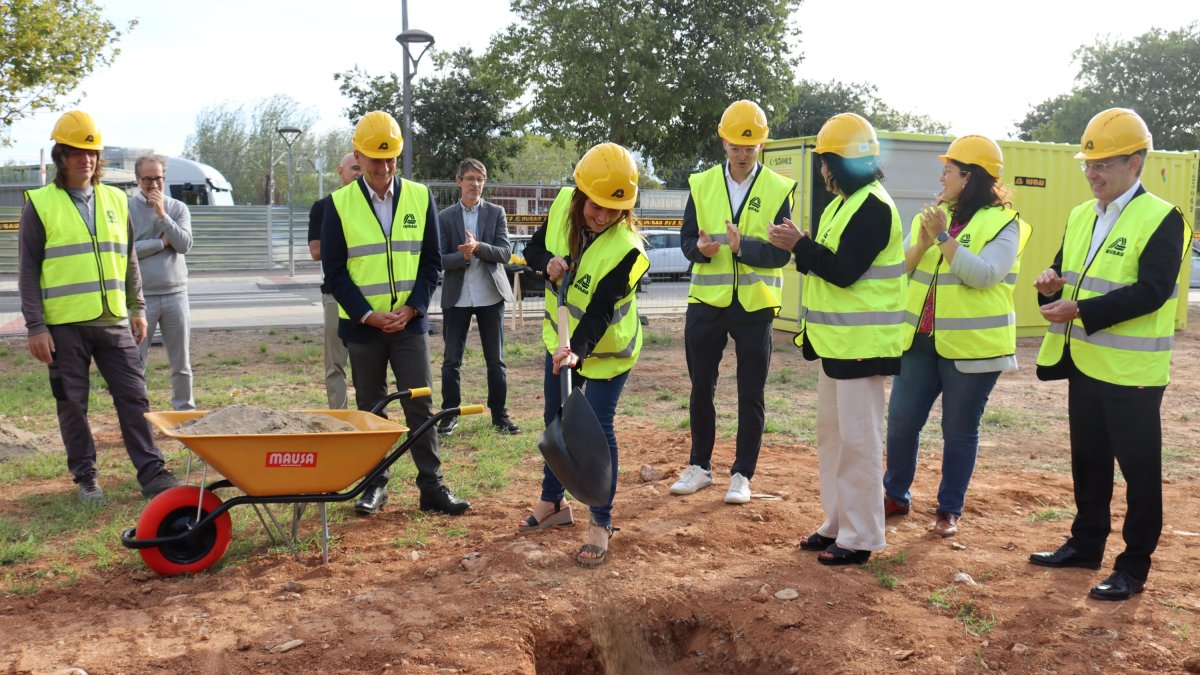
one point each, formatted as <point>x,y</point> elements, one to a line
<point>186,529</point>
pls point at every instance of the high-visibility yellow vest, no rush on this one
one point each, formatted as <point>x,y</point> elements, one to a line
<point>1136,352</point>
<point>385,270</point>
<point>866,319</point>
<point>82,273</point>
<point>968,323</point>
<point>621,344</point>
<point>713,282</point>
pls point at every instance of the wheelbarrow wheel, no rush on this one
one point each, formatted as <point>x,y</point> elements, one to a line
<point>173,513</point>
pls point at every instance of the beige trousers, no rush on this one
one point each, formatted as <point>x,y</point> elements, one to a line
<point>850,451</point>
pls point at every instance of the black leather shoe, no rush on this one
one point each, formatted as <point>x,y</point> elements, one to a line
<point>447,426</point>
<point>1065,556</point>
<point>440,499</point>
<point>505,425</point>
<point>1118,586</point>
<point>372,500</point>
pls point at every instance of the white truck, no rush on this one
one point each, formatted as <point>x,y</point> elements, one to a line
<point>197,184</point>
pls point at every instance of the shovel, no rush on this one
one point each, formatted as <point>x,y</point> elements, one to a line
<point>573,444</point>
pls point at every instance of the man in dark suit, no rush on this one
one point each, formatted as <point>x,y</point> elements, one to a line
<point>474,244</point>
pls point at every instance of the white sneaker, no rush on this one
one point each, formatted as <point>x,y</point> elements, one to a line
<point>739,490</point>
<point>693,478</point>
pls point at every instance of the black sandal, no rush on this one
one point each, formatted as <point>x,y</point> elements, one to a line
<point>817,542</point>
<point>561,517</point>
<point>601,554</point>
<point>836,555</point>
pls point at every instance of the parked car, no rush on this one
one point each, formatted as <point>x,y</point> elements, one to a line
<point>666,258</point>
<point>1195,281</point>
<point>532,282</point>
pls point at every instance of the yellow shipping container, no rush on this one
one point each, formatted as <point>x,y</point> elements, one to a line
<point>1045,184</point>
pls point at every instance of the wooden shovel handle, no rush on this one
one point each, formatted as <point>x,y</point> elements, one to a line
<point>564,332</point>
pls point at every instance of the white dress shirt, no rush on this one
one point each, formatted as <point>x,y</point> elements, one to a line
<point>1106,218</point>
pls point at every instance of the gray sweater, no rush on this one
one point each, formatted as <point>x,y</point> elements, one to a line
<point>162,266</point>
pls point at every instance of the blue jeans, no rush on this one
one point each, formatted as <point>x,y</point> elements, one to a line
<point>923,376</point>
<point>602,395</point>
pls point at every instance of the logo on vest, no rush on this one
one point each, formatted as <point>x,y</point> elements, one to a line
<point>1117,247</point>
<point>619,193</point>
<point>111,215</point>
<point>410,220</point>
<point>755,204</point>
<point>584,283</point>
<point>966,239</point>
<point>291,460</point>
<point>384,146</point>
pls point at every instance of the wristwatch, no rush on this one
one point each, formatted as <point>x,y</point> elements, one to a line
<point>942,237</point>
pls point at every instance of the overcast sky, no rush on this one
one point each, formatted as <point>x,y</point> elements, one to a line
<point>976,66</point>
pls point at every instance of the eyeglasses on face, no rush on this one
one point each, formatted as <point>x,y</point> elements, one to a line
<point>1101,166</point>
<point>152,179</point>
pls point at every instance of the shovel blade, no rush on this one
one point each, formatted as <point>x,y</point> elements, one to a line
<point>576,450</point>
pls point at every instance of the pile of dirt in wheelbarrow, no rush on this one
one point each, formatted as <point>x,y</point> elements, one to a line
<point>253,419</point>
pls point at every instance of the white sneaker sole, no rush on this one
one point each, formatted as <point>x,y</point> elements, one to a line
<point>685,491</point>
<point>736,499</point>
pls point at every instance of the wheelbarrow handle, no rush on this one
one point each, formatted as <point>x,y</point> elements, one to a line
<point>399,395</point>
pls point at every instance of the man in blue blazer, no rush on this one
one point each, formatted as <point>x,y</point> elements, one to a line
<point>474,245</point>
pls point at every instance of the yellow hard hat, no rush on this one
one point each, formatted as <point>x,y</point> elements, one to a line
<point>743,123</point>
<point>1114,132</point>
<point>979,150</point>
<point>848,135</point>
<point>608,176</point>
<point>77,129</point>
<point>378,136</point>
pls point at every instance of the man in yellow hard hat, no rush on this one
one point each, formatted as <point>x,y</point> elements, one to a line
<point>335,350</point>
<point>81,298</point>
<point>1110,299</point>
<point>736,288</point>
<point>380,253</point>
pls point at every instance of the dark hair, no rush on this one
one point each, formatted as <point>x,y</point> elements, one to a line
<point>468,164</point>
<point>575,222</point>
<point>59,155</point>
<point>137,166</point>
<point>981,191</point>
<point>851,175</point>
<point>1140,153</point>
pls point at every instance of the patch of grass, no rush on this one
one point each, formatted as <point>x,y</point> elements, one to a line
<point>455,532</point>
<point>664,395</point>
<point>272,331</point>
<point>1047,513</point>
<point>262,347</point>
<point>882,568</point>
<point>658,339</point>
<point>1182,631</point>
<point>41,466</point>
<point>964,611</point>
<point>782,376</point>
<point>985,576</point>
<point>1172,455</point>
<point>210,354</point>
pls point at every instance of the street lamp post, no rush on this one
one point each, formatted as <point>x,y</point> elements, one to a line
<point>407,39</point>
<point>289,135</point>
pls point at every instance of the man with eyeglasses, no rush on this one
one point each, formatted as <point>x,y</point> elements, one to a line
<point>1110,298</point>
<point>474,240</point>
<point>736,289</point>
<point>162,235</point>
<point>81,299</point>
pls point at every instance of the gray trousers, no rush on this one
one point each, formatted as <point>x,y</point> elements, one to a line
<point>408,355</point>
<point>335,356</point>
<point>116,358</point>
<point>170,313</point>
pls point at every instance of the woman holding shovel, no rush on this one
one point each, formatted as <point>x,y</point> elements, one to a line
<point>590,247</point>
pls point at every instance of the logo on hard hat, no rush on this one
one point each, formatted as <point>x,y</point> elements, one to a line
<point>1089,146</point>
<point>383,145</point>
<point>755,204</point>
<point>90,138</point>
<point>747,133</point>
<point>619,193</point>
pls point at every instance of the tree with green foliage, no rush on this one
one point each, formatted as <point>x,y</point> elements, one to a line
<point>461,111</point>
<point>47,47</point>
<point>812,103</point>
<point>652,76</point>
<point>243,144</point>
<point>1154,73</point>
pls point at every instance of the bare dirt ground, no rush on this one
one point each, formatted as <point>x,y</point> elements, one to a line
<point>691,582</point>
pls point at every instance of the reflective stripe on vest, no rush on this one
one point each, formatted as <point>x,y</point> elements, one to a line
<point>385,270</point>
<point>619,347</point>
<point>713,282</point>
<point>867,319</point>
<point>81,275</point>
<point>968,323</point>
<point>1136,352</point>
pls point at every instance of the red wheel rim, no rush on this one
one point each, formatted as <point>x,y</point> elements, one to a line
<point>173,512</point>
